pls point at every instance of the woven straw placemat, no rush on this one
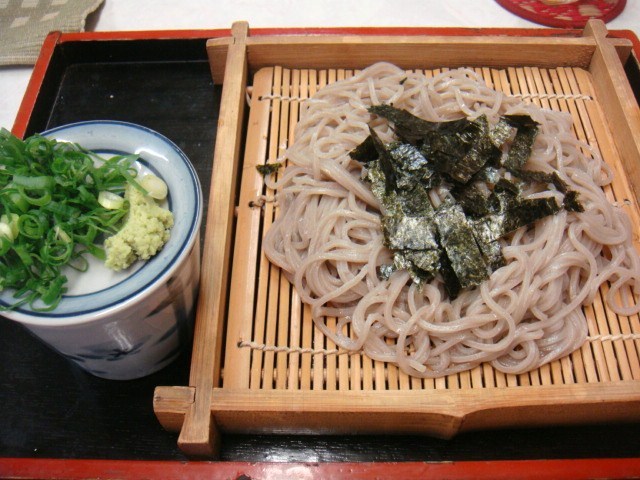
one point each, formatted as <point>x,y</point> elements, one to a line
<point>24,24</point>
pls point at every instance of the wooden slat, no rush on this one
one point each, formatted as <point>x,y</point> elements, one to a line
<point>317,80</point>
<point>359,51</point>
<point>330,361</point>
<point>246,249</point>
<point>617,101</point>
<point>284,314</point>
<point>306,79</point>
<point>438,413</point>
<point>294,375</point>
<point>198,435</point>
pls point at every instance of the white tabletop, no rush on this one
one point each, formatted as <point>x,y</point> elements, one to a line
<point>118,15</point>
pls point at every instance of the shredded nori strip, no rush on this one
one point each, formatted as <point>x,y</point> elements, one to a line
<point>268,168</point>
<point>451,281</point>
<point>403,232</point>
<point>412,129</point>
<point>407,224</point>
<point>475,200</point>
<point>365,152</point>
<point>384,160</point>
<point>490,248</point>
<point>543,177</point>
<point>458,148</point>
<point>528,211</point>
<point>501,132</point>
<point>521,146</point>
<point>410,167</point>
<point>489,175</point>
<point>422,266</point>
<point>520,121</point>
<point>460,240</point>
<point>571,203</point>
<point>516,214</point>
<point>478,150</point>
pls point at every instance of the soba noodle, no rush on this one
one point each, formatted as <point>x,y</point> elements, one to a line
<point>328,238</point>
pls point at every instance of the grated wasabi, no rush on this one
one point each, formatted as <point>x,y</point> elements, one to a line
<point>146,230</point>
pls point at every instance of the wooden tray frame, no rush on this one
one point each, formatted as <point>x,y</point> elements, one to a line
<point>206,407</point>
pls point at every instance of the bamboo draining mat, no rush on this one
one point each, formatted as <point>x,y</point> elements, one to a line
<point>272,342</point>
<point>265,367</point>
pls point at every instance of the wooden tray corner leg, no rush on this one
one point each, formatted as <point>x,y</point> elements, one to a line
<point>170,404</point>
<point>177,411</point>
<point>199,436</point>
<point>217,49</point>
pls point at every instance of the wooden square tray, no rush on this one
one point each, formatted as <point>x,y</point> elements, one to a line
<point>259,364</point>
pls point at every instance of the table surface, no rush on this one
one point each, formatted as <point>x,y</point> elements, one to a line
<point>53,432</point>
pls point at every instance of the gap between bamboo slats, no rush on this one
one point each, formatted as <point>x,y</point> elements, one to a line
<point>286,350</point>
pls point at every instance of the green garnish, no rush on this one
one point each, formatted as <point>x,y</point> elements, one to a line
<point>460,238</point>
<point>51,216</point>
<point>268,168</point>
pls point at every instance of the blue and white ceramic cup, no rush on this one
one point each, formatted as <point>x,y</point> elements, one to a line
<point>129,324</point>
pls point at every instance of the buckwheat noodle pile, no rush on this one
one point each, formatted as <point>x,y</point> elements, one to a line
<point>328,239</point>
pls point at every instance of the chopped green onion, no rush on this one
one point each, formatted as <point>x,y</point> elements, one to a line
<point>53,293</point>
<point>9,226</point>
<point>42,182</point>
<point>16,200</point>
<point>5,231</point>
<point>61,235</point>
<point>5,246</point>
<point>85,237</point>
<point>156,187</point>
<point>56,252</point>
<point>110,200</point>
<point>23,254</point>
<point>37,201</point>
<point>38,148</point>
<point>57,201</point>
<point>31,226</point>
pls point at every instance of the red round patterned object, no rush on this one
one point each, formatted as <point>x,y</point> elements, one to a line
<point>564,15</point>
